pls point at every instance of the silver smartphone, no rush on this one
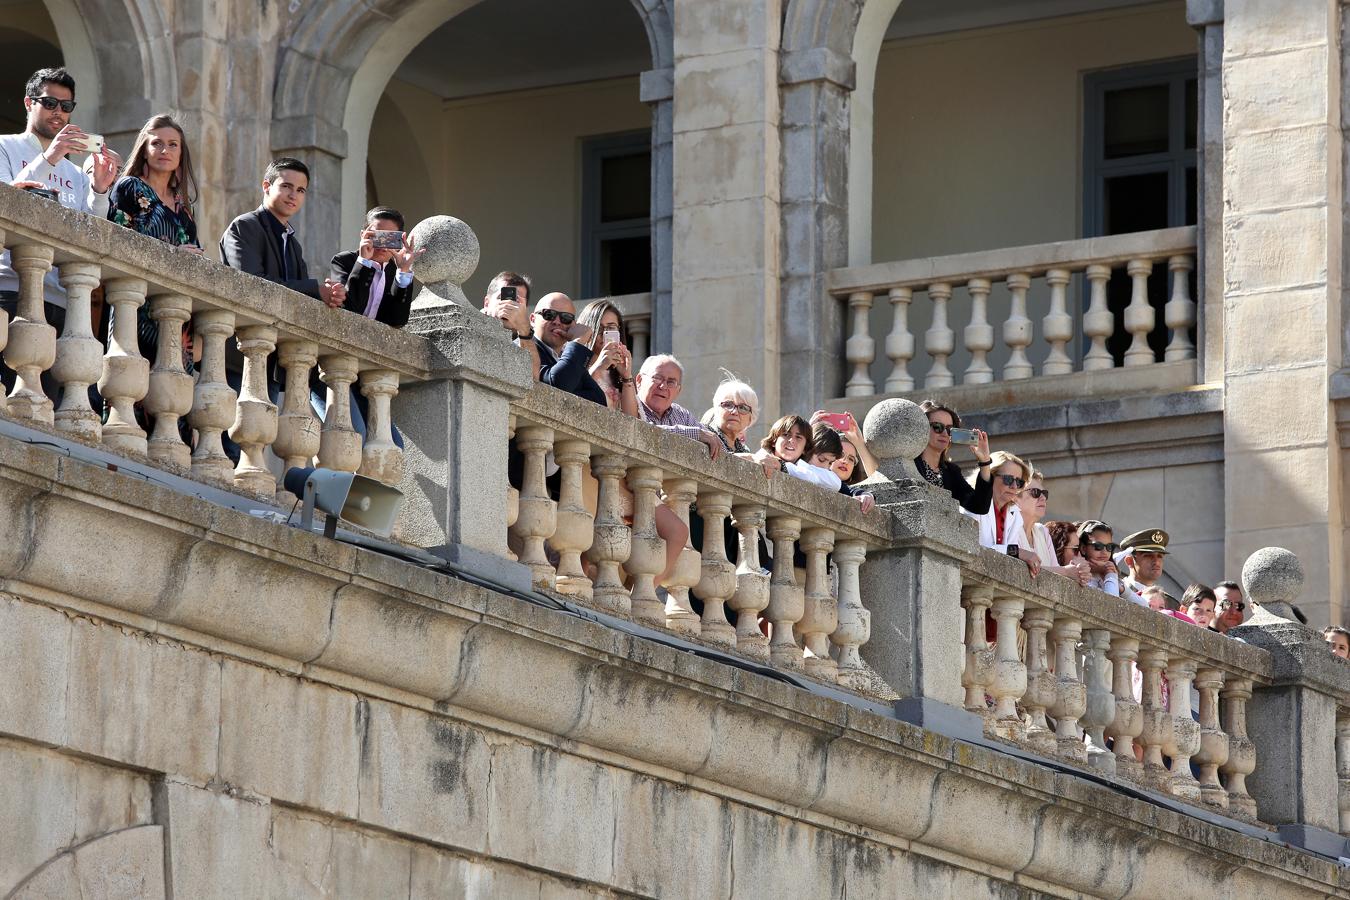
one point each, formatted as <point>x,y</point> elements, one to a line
<point>964,436</point>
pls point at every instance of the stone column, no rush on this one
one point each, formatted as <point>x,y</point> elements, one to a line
<point>1282,249</point>
<point>658,92</point>
<point>456,430</point>
<point>726,222</point>
<point>1292,721</point>
<point>322,146</point>
<point>1206,17</point>
<point>912,588</point>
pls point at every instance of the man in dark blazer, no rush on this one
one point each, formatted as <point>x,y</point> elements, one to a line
<point>263,243</point>
<point>378,280</point>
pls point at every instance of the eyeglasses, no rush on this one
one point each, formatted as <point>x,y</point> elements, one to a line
<point>1013,481</point>
<point>1099,546</point>
<point>1038,493</point>
<point>939,428</point>
<point>661,381</point>
<point>732,406</point>
<point>1228,604</point>
<point>50,103</point>
<point>548,315</point>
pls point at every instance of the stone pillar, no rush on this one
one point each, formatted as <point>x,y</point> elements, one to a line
<point>322,146</point>
<point>1282,249</point>
<point>913,587</point>
<point>1206,17</point>
<point>726,222</point>
<point>455,430</point>
<point>658,92</point>
<point>1292,721</point>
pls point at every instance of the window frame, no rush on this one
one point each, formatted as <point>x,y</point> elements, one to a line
<point>594,232</point>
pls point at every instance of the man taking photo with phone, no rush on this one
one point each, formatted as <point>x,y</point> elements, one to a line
<point>378,274</point>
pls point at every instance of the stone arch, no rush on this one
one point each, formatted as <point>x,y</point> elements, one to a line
<point>871,31</point>
<point>130,71</point>
<point>334,69</point>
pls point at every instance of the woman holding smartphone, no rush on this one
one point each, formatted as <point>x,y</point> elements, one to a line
<point>611,362</point>
<point>936,468</point>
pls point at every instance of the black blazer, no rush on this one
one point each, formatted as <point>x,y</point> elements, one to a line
<point>395,303</point>
<point>250,246</point>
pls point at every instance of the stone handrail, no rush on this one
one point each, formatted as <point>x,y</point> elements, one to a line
<point>658,467</point>
<point>1017,267</point>
<point>220,303</point>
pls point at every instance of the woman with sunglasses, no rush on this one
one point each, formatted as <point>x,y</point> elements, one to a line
<point>1001,527</point>
<point>1032,503</point>
<point>1096,544</point>
<point>937,469</point>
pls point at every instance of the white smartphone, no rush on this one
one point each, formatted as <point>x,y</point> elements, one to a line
<point>92,143</point>
<point>611,336</point>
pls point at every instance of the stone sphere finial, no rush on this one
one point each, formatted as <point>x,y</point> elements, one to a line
<point>1273,578</point>
<point>896,431</point>
<point>450,258</point>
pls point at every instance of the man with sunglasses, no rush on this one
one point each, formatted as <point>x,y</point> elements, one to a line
<point>38,158</point>
<point>564,347</point>
<point>1231,606</point>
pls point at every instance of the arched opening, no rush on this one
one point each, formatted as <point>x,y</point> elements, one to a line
<point>37,35</point>
<point>527,123</point>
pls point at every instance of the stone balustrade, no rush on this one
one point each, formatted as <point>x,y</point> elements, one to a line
<point>816,619</point>
<point>223,309</point>
<point>1056,264</point>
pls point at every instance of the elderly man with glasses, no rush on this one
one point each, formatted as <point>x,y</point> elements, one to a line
<point>564,346</point>
<point>658,384</point>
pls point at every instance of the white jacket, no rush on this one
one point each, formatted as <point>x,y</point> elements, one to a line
<point>1012,530</point>
<point>814,474</point>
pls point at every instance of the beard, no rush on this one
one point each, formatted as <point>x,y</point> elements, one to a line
<point>43,128</point>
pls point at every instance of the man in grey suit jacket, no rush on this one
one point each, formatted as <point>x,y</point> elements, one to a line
<point>263,243</point>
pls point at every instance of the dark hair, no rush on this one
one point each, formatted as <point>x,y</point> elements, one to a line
<point>591,315</point>
<point>49,76</point>
<point>1230,585</point>
<point>1335,629</point>
<point>931,406</point>
<point>1060,532</point>
<point>825,439</point>
<point>508,279</point>
<point>1197,592</point>
<point>384,212</point>
<point>784,426</point>
<point>284,164</point>
<point>182,182</point>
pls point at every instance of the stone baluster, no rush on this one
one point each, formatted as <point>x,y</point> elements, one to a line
<point>1213,750</point>
<point>1179,313</point>
<point>1343,769</point>
<point>979,670</point>
<point>1041,691</point>
<point>680,616</point>
<point>820,611</point>
<point>1128,722</point>
<point>32,342</point>
<point>1241,751</point>
<point>1140,317</point>
<point>538,513</point>
<point>339,442</point>
<point>639,330</point>
<point>1098,322</point>
<point>1017,330</point>
<point>212,399</point>
<point>255,417</point>
<point>647,557</point>
<point>855,622</point>
<point>1101,703</point>
<point>126,374</point>
<point>1070,692</point>
<point>169,397</point>
<point>900,343</point>
<point>297,440</point>
<point>1057,325</point>
<point>1157,731</point>
<point>573,524</point>
<point>612,539</point>
<point>1185,730</point>
<point>718,576</point>
<point>979,334</point>
<point>860,349</point>
<point>939,340</point>
<point>1009,682</point>
<point>752,582</point>
<point>787,599</point>
<point>381,458</point>
<point>79,355</point>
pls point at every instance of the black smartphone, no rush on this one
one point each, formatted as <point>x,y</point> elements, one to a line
<point>508,292</point>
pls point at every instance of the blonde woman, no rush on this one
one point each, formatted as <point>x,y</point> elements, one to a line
<point>1001,527</point>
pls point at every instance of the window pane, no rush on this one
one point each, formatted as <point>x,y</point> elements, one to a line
<point>1135,121</point>
<point>1192,197</point>
<point>626,265</point>
<point>625,187</point>
<point>1192,104</point>
<point>1135,203</point>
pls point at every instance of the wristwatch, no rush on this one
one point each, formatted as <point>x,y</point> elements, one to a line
<point>1012,551</point>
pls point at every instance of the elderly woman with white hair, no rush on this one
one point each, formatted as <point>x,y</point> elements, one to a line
<point>735,408</point>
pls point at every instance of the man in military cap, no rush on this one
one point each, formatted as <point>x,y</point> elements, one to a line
<point>1144,552</point>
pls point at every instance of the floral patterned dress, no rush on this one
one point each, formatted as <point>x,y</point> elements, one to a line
<point>134,204</point>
